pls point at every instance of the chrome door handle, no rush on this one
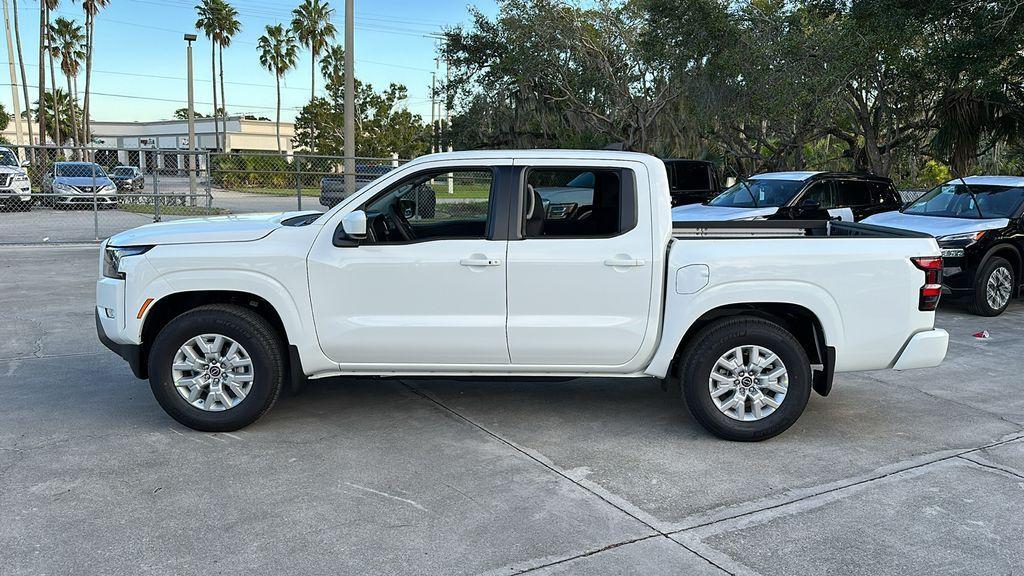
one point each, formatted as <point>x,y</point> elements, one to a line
<point>480,262</point>
<point>623,262</point>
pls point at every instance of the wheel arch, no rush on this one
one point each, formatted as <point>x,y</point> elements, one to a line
<point>798,320</point>
<point>162,311</point>
<point>1008,251</point>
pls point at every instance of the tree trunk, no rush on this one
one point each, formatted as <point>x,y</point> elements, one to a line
<point>90,24</point>
<point>53,82</point>
<point>213,80</point>
<point>74,115</point>
<point>24,82</point>
<point>42,76</point>
<point>74,105</point>
<point>223,98</point>
<point>277,124</point>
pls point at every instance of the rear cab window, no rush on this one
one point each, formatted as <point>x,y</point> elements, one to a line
<point>578,202</point>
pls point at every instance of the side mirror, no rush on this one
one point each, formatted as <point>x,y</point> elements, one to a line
<point>810,204</point>
<point>25,163</point>
<point>354,224</point>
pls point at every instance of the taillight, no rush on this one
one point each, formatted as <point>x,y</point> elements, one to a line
<point>932,289</point>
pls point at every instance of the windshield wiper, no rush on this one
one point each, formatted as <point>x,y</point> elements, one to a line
<point>977,205</point>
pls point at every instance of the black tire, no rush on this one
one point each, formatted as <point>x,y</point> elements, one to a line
<point>252,332</point>
<point>717,339</point>
<point>978,303</point>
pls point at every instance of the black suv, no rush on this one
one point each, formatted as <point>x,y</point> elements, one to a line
<point>798,196</point>
<point>692,181</point>
<point>977,221</point>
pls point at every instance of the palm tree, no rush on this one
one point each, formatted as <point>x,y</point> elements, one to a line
<point>312,25</point>
<point>24,78</point>
<point>208,13</point>
<point>43,19</point>
<point>332,66</point>
<point>53,101</point>
<point>68,45</point>
<point>229,26</point>
<point>52,5</point>
<point>278,53</point>
<point>91,8</point>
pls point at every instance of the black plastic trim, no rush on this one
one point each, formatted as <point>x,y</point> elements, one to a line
<point>821,380</point>
<point>131,353</point>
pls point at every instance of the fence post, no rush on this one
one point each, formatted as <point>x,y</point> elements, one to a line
<point>156,190</point>
<point>298,180</point>
<point>95,207</point>
<point>209,185</point>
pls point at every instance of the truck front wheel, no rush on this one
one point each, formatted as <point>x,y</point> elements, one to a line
<point>217,368</point>
<point>745,378</point>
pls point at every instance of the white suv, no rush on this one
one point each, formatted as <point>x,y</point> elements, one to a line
<point>15,188</point>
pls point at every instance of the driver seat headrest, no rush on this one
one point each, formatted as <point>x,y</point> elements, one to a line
<point>534,213</point>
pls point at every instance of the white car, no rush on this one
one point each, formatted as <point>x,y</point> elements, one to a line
<point>747,318</point>
<point>15,188</point>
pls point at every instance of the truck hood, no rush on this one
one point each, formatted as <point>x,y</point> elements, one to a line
<point>240,228</point>
<point>701,212</point>
<point>935,225</point>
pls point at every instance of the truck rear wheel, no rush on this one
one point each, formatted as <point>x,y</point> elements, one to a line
<point>745,378</point>
<point>217,368</point>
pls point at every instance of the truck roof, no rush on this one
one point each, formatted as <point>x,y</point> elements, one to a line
<point>556,154</point>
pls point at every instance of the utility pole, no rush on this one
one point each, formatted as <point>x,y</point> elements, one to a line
<point>14,82</point>
<point>190,38</point>
<point>433,118</point>
<point>350,104</point>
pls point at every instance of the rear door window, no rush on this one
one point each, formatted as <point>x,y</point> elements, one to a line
<point>852,193</point>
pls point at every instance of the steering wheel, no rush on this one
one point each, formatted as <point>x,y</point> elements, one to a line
<point>398,221</point>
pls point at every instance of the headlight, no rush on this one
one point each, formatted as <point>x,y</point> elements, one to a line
<point>112,258</point>
<point>20,178</point>
<point>965,238</point>
<point>65,188</point>
<point>748,219</point>
<point>108,188</point>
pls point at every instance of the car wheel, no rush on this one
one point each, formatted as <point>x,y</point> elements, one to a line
<point>745,378</point>
<point>217,368</point>
<point>993,287</point>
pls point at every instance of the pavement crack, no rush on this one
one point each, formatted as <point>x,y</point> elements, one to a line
<point>957,455</point>
<point>992,466</point>
<point>514,446</point>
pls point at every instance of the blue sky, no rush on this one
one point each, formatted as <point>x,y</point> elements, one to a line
<point>139,60</point>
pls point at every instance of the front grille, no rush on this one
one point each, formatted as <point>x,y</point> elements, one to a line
<point>7,179</point>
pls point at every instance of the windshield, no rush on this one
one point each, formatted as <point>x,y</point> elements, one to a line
<point>7,158</point>
<point>758,193</point>
<point>123,172</point>
<point>954,200</point>
<point>80,170</point>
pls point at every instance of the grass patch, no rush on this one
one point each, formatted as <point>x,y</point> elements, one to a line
<point>306,192</point>
<point>172,210</point>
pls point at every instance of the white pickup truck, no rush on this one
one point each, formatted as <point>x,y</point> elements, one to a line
<point>746,318</point>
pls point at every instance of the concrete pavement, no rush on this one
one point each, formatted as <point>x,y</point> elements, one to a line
<point>895,473</point>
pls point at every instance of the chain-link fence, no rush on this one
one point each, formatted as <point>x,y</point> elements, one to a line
<point>62,195</point>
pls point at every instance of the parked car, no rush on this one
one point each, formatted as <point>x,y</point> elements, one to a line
<point>69,184</point>
<point>128,178</point>
<point>15,187</point>
<point>692,181</point>
<point>978,224</point>
<point>332,186</point>
<point>798,196</point>
<point>219,313</point>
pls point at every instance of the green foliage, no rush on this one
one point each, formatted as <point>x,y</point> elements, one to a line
<point>383,125</point>
<point>871,85</point>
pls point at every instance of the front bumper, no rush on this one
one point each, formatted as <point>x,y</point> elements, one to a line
<point>11,195</point>
<point>131,353</point>
<point>923,350</point>
<point>84,199</point>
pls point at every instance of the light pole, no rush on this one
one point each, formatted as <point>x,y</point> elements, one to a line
<point>350,105</point>
<point>14,85</point>
<point>190,38</point>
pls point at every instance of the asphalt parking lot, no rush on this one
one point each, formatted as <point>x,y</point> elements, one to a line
<point>895,473</point>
